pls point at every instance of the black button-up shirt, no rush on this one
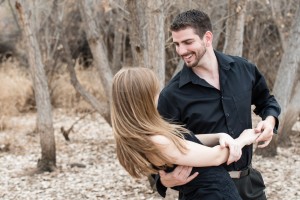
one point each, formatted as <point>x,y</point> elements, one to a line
<point>192,101</point>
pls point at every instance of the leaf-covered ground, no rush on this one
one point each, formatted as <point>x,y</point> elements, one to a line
<point>87,167</point>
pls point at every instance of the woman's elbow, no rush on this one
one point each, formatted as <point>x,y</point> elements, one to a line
<point>219,160</point>
<point>219,157</point>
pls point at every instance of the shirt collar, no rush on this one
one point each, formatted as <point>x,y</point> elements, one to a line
<point>223,60</point>
<point>187,75</point>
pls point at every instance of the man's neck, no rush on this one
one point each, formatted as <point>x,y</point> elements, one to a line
<point>209,71</point>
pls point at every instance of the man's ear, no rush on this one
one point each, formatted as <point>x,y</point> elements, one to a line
<point>208,37</point>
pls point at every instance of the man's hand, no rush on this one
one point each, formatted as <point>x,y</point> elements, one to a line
<point>266,128</point>
<point>235,150</point>
<point>180,176</point>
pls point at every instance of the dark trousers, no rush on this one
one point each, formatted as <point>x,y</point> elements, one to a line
<point>251,187</point>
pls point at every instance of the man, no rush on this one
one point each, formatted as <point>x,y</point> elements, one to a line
<point>214,93</point>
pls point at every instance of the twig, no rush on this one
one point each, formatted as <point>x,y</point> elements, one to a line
<point>67,132</point>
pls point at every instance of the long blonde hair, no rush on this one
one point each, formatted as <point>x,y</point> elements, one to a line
<point>135,118</point>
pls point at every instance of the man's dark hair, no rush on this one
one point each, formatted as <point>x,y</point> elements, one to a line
<point>195,19</point>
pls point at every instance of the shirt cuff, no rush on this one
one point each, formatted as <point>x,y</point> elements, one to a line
<point>275,115</point>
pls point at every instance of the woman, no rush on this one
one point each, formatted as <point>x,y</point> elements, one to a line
<point>146,143</point>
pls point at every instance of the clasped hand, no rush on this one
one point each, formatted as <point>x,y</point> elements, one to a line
<point>235,149</point>
<point>266,128</point>
<point>235,146</point>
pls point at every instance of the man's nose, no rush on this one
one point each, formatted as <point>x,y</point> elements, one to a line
<point>181,50</point>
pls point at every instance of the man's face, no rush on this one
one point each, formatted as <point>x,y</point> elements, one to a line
<point>189,46</point>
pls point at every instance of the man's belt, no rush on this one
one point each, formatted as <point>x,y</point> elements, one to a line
<point>239,174</point>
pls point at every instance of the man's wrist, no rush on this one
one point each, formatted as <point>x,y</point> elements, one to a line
<point>272,120</point>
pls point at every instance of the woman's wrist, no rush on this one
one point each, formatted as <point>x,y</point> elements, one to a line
<point>222,135</point>
<point>241,141</point>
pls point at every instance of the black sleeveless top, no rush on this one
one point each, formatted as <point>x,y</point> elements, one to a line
<point>212,183</point>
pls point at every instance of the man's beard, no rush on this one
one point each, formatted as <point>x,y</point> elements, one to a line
<point>198,57</point>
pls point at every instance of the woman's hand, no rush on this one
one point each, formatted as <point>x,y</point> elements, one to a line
<point>235,149</point>
<point>248,137</point>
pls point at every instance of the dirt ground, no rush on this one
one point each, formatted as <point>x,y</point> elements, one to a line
<point>87,167</point>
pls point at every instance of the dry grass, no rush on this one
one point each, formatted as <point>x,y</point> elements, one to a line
<point>15,89</point>
<point>17,96</point>
<point>5,143</point>
<point>63,94</point>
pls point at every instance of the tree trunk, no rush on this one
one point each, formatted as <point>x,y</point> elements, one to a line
<point>235,27</point>
<point>287,72</point>
<point>281,11</point>
<point>156,39</point>
<point>290,119</point>
<point>95,40</point>
<point>147,36</point>
<point>286,79</point>
<point>217,16</point>
<point>102,108</point>
<point>119,33</point>
<point>256,35</point>
<point>136,31</point>
<point>44,115</point>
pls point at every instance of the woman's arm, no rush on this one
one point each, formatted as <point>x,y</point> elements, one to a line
<point>210,139</point>
<point>225,140</point>
<point>198,155</point>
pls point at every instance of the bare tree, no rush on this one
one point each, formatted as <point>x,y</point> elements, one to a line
<point>282,16</point>
<point>136,33</point>
<point>217,13</point>
<point>120,27</point>
<point>147,35</point>
<point>97,46</point>
<point>101,107</point>
<point>44,114</point>
<point>156,38</point>
<point>292,113</point>
<point>287,72</point>
<point>235,27</point>
<point>286,78</point>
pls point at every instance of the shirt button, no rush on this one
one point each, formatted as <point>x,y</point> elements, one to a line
<point>227,114</point>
